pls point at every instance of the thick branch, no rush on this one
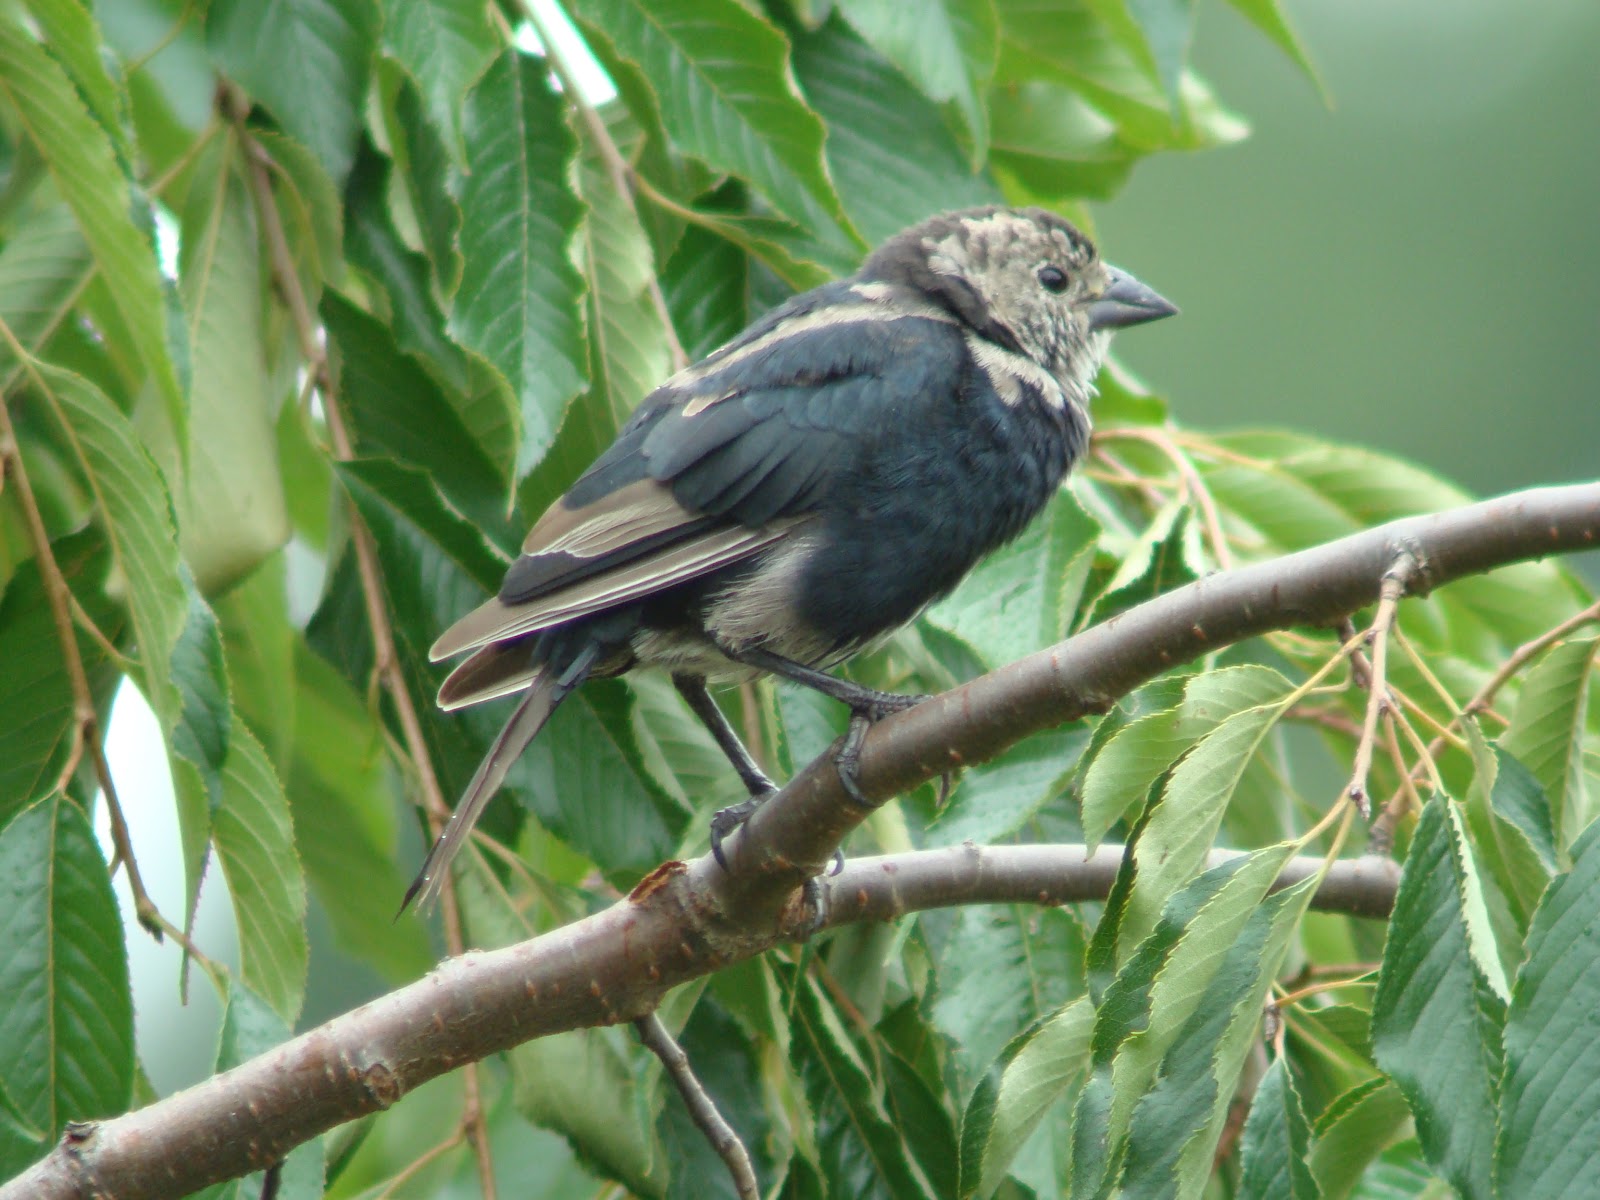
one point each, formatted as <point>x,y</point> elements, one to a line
<point>687,920</point>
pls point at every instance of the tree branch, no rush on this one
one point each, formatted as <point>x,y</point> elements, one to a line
<point>687,920</point>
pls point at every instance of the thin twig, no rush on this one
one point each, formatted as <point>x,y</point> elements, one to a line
<point>1383,828</point>
<point>410,1170</point>
<point>701,1107</point>
<point>58,594</point>
<point>386,660</point>
<point>1378,702</point>
<point>1192,482</point>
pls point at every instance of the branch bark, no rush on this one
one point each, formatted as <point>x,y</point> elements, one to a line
<point>688,919</point>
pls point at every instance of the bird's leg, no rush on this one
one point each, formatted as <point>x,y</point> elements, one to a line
<point>867,707</point>
<point>693,689</point>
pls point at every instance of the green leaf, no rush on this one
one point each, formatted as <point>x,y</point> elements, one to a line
<point>1167,554</point>
<point>1547,730</point>
<point>860,1149</point>
<point>133,503</point>
<point>520,304</point>
<point>397,412</point>
<point>705,284</point>
<point>1165,25</point>
<point>232,507</point>
<point>999,797</point>
<point>1000,970</point>
<point>1353,1131</point>
<point>445,45</point>
<point>306,60</point>
<point>1276,1141</point>
<point>346,832</point>
<point>83,163</point>
<point>891,155</point>
<point>37,713</point>
<point>1174,844</point>
<point>1435,1018</point>
<point>68,28</point>
<point>1520,800</point>
<point>1549,1112</point>
<point>1152,999</point>
<point>1172,1140</point>
<point>947,48</point>
<point>66,1017</point>
<point>1057,145</point>
<point>1123,771</point>
<point>1268,16</point>
<point>628,340</point>
<point>41,266</point>
<point>727,97</point>
<point>1038,1068</point>
<point>430,183</point>
<point>255,846</point>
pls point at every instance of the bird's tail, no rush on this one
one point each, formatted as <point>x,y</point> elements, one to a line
<point>548,689</point>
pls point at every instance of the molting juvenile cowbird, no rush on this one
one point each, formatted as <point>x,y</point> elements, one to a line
<point>806,489</point>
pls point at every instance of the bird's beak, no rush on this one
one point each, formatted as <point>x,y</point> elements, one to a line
<point>1126,301</point>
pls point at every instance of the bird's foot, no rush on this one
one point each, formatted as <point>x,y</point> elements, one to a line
<point>865,712</point>
<point>725,820</point>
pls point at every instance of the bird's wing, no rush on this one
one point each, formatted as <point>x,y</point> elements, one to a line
<point>719,463</point>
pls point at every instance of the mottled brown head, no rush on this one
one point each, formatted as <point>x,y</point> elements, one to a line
<point>1024,279</point>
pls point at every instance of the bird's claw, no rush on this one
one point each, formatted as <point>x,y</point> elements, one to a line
<point>725,820</point>
<point>848,757</point>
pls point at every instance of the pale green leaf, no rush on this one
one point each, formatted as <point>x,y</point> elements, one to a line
<point>1547,730</point>
<point>80,157</point>
<point>255,846</point>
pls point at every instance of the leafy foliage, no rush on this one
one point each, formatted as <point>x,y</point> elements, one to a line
<point>307,309</point>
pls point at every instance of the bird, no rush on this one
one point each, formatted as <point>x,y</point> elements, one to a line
<point>804,490</point>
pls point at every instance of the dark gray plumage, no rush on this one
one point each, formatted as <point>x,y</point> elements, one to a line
<point>807,488</point>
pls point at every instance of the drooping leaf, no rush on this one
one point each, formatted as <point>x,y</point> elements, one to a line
<point>255,847</point>
<point>80,157</point>
<point>1549,1116</point>
<point>1547,730</point>
<point>445,45</point>
<point>308,61</point>
<point>1436,1021</point>
<point>520,303</point>
<point>1276,1140</point>
<point>727,96</point>
<point>66,1016</point>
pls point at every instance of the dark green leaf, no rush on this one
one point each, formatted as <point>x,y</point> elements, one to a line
<point>399,413</point>
<point>1550,1114</point>
<point>307,60</point>
<point>947,48</point>
<point>1353,1131</point>
<point>892,157</point>
<point>520,303</point>
<point>1276,1141</point>
<point>1435,1020</point>
<point>726,96</point>
<point>1519,798</point>
<point>445,45</point>
<point>37,712</point>
<point>66,1016</point>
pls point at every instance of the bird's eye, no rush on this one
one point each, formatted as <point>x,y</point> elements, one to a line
<point>1053,279</point>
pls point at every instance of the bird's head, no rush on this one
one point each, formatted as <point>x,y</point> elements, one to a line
<point>1024,279</point>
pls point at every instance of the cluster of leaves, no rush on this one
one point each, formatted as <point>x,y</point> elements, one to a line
<point>418,282</point>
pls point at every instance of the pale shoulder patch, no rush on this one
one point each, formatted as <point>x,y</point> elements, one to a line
<point>1012,373</point>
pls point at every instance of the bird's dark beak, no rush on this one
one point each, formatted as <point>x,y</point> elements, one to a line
<point>1126,301</point>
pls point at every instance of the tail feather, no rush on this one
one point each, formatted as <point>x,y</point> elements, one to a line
<point>548,689</point>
